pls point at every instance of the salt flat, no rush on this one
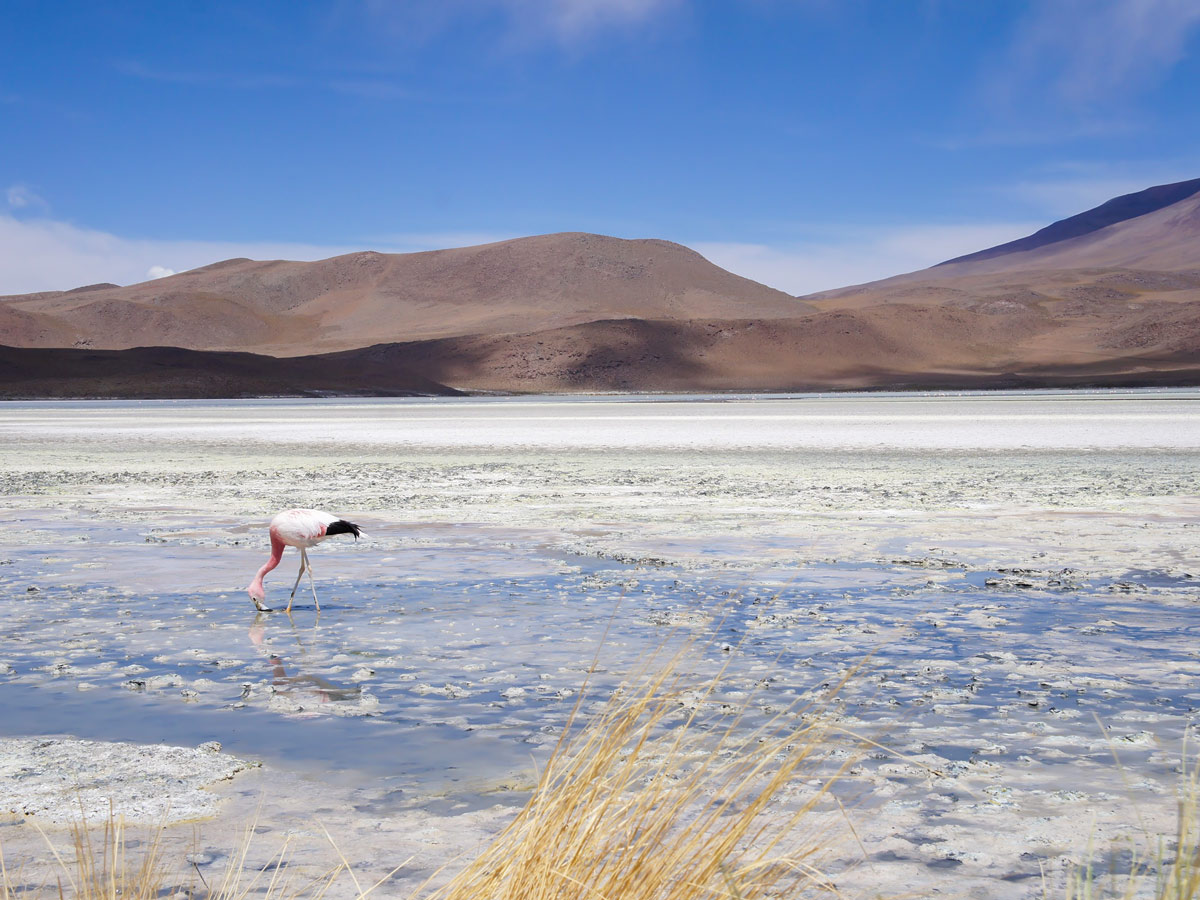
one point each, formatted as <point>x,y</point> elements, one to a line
<point>1019,572</point>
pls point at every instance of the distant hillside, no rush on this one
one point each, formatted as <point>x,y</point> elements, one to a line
<point>1130,288</point>
<point>170,372</point>
<point>295,308</point>
<point>1110,297</point>
<point>1119,209</point>
<point>906,348</point>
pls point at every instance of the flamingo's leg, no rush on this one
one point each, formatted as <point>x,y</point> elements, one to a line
<point>310,581</point>
<point>299,575</point>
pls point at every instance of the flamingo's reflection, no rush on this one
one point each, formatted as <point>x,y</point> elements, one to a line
<point>322,688</point>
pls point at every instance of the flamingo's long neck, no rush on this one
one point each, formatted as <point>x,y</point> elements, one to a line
<point>276,556</point>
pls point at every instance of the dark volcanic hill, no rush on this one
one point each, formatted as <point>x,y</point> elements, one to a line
<point>1119,209</point>
<point>296,308</point>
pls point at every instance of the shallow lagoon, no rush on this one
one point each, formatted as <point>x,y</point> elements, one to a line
<point>1019,568</point>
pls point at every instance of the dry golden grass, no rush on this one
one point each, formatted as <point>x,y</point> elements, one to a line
<point>100,867</point>
<point>649,802</point>
<point>1154,872</point>
<point>662,794</point>
<point>654,796</point>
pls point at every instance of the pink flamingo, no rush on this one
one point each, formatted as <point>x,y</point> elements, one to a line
<point>301,528</point>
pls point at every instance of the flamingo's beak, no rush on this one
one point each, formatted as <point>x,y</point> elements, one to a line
<point>257,595</point>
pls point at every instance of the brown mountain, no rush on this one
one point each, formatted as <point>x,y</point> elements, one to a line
<point>898,348</point>
<point>1154,253</point>
<point>295,308</point>
<point>902,346</point>
<point>1119,209</point>
<point>1118,295</point>
<point>1112,297</point>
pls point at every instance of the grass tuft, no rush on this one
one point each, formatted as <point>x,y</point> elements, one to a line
<point>650,802</point>
<point>100,868</point>
<point>1174,875</point>
<point>655,795</point>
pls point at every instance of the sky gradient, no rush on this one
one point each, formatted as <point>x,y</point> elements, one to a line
<point>807,144</point>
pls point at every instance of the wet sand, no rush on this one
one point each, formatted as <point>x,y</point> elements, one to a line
<point>1020,573</point>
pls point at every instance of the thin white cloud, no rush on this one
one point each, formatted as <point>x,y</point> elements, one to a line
<point>564,21</point>
<point>259,81</point>
<point>373,89</point>
<point>1070,187</point>
<point>1074,70</point>
<point>572,19</point>
<point>23,197</point>
<point>843,257</point>
<point>1038,129</point>
<point>1067,198</point>
<point>370,88</point>
<point>48,255</point>
<point>1092,49</point>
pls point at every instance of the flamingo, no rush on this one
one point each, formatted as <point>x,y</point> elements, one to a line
<point>301,528</point>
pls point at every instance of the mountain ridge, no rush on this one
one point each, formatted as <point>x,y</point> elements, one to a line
<point>1116,304</point>
<point>1118,209</point>
<point>287,308</point>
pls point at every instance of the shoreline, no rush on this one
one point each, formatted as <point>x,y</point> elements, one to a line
<point>176,373</point>
<point>1147,392</point>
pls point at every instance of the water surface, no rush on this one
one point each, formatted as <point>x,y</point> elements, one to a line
<point>1019,570</point>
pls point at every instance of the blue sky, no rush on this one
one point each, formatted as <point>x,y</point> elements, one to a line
<point>804,143</point>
